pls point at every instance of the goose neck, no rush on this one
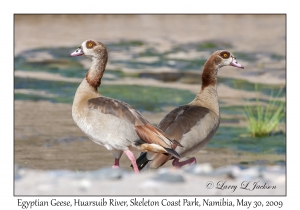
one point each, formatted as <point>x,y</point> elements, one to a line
<point>95,73</point>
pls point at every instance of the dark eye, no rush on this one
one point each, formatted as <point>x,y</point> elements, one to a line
<point>225,54</point>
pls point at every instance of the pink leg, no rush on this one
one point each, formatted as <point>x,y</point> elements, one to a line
<point>132,159</point>
<point>116,165</point>
<point>178,164</point>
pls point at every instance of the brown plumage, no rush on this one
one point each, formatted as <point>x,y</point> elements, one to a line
<point>117,108</point>
<point>110,122</point>
<point>193,125</point>
<point>181,120</point>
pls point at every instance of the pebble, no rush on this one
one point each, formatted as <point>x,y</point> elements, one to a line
<point>232,171</point>
<point>199,169</point>
<point>168,177</point>
<point>109,173</point>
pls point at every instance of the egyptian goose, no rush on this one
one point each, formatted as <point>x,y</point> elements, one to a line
<point>194,124</point>
<point>110,122</point>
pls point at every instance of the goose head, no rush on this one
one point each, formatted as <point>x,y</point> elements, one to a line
<point>90,48</point>
<point>98,53</point>
<point>217,60</point>
<point>226,58</point>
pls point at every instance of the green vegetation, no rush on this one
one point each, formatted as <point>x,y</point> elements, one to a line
<point>206,45</point>
<point>139,97</point>
<point>263,120</point>
<point>234,138</point>
<point>242,84</point>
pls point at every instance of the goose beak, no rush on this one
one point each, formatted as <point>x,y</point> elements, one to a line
<point>236,64</point>
<point>77,52</point>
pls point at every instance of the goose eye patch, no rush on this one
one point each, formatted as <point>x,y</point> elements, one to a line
<point>90,44</point>
<point>225,54</point>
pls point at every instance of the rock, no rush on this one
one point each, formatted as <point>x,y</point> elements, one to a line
<point>199,169</point>
<point>85,184</point>
<point>109,173</point>
<point>232,171</point>
<point>274,174</point>
<point>251,173</point>
<point>169,177</point>
<point>17,174</point>
<point>103,173</point>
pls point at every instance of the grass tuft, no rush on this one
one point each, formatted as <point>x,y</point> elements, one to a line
<point>263,120</point>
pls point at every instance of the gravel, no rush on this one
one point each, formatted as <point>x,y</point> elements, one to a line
<point>193,180</point>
